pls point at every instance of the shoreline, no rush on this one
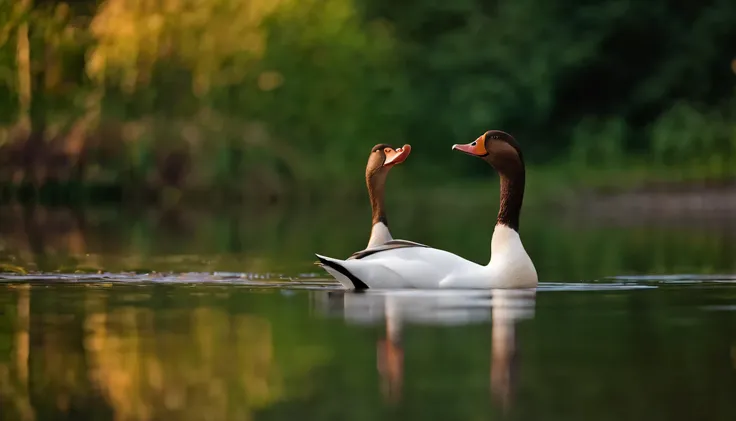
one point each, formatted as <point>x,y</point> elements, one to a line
<point>669,197</point>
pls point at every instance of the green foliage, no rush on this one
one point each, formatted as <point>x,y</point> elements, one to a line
<point>599,143</point>
<point>687,135</point>
<point>541,69</point>
<point>261,96</point>
<point>338,86</point>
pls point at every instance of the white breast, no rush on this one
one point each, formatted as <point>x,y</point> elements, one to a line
<point>379,235</point>
<point>510,264</point>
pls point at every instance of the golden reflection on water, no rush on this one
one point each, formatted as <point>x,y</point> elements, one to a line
<point>14,375</point>
<point>199,363</point>
<point>144,374</point>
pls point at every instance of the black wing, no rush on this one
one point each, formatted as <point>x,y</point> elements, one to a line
<point>388,245</point>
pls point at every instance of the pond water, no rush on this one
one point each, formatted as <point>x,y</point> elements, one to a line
<point>179,314</point>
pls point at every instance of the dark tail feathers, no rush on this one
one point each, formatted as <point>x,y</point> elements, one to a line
<point>357,283</point>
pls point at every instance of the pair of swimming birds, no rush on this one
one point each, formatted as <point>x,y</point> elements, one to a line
<point>390,264</point>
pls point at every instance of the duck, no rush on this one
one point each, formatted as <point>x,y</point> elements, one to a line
<point>400,264</point>
<point>382,158</point>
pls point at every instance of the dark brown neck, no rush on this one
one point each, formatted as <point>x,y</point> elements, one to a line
<point>375,194</point>
<point>512,196</point>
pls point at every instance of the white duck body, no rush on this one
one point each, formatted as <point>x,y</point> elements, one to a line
<point>412,265</point>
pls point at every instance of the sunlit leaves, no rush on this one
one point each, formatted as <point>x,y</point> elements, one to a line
<point>214,39</point>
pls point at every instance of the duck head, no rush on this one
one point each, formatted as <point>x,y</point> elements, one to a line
<point>499,149</point>
<point>503,153</point>
<point>383,157</point>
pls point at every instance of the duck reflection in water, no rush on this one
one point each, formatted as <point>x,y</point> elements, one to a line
<point>390,355</point>
<point>504,307</point>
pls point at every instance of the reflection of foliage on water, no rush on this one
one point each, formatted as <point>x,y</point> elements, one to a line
<point>14,394</point>
<point>226,371</point>
<point>141,356</point>
<point>651,354</point>
<point>283,240</point>
<point>133,353</point>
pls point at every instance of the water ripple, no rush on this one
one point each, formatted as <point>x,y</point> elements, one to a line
<point>313,280</point>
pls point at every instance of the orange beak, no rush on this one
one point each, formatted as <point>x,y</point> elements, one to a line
<point>476,148</point>
<point>397,156</point>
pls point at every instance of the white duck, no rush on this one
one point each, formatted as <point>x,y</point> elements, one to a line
<point>382,158</point>
<point>405,264</point>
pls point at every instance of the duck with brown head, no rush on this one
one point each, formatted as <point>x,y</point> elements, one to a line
<point>403,264</point>
<point>501,151</point>
<point>382,158</point>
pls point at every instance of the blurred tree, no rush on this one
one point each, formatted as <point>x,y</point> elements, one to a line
<point>538,69</point>
<point>261,95</point>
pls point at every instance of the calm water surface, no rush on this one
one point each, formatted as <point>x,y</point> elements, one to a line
<point>110,314</point>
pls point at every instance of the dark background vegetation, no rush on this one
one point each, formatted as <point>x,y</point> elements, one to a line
<point>277,97</point>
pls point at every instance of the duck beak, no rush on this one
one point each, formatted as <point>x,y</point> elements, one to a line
<point>476,148</point>
<point>397,156</point>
